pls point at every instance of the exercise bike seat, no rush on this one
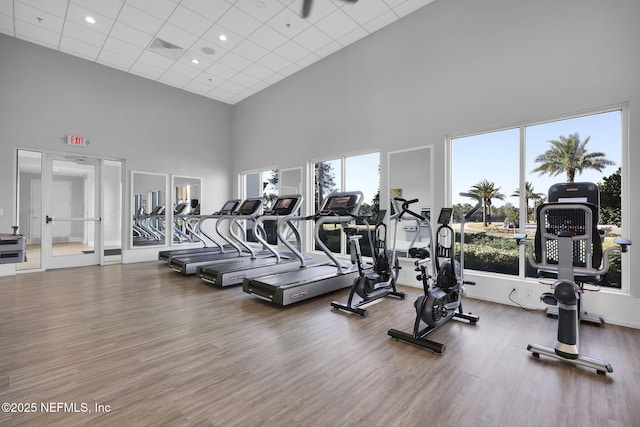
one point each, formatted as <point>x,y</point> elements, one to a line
<point>421,253</point>
<point>578,278</point>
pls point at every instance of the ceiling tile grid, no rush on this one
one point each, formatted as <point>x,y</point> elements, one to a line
<point>226,50</point>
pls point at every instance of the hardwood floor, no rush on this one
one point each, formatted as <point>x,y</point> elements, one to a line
<point>163,349</point>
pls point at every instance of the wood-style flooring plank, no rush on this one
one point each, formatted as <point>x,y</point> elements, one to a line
<point>164,349</point>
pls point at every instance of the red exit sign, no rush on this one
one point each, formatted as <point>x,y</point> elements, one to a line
<point>77,140</point>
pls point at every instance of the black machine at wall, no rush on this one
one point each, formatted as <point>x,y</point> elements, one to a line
<point>12,247</point>
<point>568,250</point>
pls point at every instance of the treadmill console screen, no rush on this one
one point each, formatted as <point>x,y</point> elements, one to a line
<point>445,216</point>
<point>340,205</point>
<point>180,207</point>
<point>285,206</point>
<point>249,207</point>
<point>229,207</point>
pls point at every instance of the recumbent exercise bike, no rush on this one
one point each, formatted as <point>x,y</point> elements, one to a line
<point>568,248</point>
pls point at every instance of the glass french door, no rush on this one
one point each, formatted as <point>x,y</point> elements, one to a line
<point>69,208</point>
<point>71,233</point>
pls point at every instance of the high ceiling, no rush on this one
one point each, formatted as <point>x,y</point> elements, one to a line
<point>266,40</point>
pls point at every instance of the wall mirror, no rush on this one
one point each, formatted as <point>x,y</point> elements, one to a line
<point>186,193</point>
<point>291,181</point>
<point>148,205</point>
<point>410,177</point>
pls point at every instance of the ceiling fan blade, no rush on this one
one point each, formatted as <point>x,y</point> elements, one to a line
<point>306,8</point>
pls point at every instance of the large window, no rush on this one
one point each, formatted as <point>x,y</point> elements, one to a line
<point>262,184</point>
<point>512,170</point>
<point>355,173</point>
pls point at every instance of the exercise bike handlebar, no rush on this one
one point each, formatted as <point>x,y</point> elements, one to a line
<point>405,208</point>
<point>622,245</point>
<point>478,205</point>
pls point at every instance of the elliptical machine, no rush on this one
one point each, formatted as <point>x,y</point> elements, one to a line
<point>442,300</point>
<point>378,281</point>
<point>568,246</point>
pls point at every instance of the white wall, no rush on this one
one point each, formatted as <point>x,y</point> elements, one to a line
<point>457,66</point>
<point>45,95</point>
<point>451,67</point>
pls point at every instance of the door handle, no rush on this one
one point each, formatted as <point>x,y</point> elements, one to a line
<point>48,219</point>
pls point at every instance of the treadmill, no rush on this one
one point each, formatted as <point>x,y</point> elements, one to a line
<point>233,272</point>
<point>316,279</point>
<point>227,209</point>
<point>249,209</point>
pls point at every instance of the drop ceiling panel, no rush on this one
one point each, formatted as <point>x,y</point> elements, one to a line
<point>37,17</point>
<point>313,39</point>
<point>240,22</point>
<point>337,24</point>
<point>267,37</point>
<point>190,21</point>
<point>159,8</point>
<point>249,50</point>
<point>79,48</point>
<point>265,40</point>
<point>54,7</point>
<point>108,8</point>
<point>37,34</point>
<point>139,19</point>
<point>212,10</point>
<point>130,35</point>
<point>365,12</point>
<point>115,60</point>
<point>274,62</point>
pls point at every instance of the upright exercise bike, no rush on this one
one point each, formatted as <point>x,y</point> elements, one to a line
<point>442,300</point>
<point>378,281</point>
<point>568,246</point>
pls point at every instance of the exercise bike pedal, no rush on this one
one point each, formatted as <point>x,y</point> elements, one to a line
<point>548,298</point>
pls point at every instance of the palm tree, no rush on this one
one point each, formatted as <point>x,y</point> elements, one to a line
<point>529,194</point>
<point>325,182</point>
<point>569,155</point>
<point>486,190</point>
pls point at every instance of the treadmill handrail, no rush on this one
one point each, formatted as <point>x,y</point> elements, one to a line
<point>278,218</point>
<point>235,218</point>
<point>218,217</point>
<point>343,220</point>
<point>343,217</point>
<point>296,250</point>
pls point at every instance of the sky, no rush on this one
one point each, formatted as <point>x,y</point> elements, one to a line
<point>495,156</point>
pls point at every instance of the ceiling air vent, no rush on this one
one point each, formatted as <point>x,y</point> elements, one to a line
<point>164,48</point>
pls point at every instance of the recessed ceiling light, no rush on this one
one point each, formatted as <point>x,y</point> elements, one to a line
<point>207,50</point>
<point>223,37</point>
<point>195,61</point>
<point>90,19</point>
